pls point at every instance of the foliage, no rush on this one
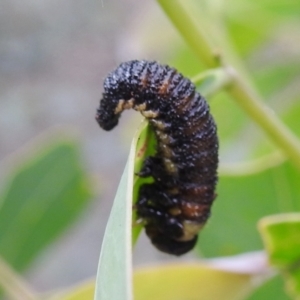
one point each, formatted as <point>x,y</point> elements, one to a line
<point>45,192</point>
<point>245,59</point>
<point>42,196</point>
<point>260,155</point>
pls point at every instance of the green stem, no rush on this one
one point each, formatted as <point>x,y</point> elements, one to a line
<point>13,285</point>
<point>266,119</point>
<point>195,38</point>
<point>240,89</point>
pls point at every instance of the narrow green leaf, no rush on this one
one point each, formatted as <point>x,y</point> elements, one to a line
<point>281,234</point>
<point>43,196</point>
<point>115,266</point>
<point>145,144</point>
<point>114,270</point>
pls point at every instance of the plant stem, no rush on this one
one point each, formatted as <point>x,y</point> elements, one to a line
<point>195,37</point>
<point>240,89</point>
<point>266,119</point>
<point>13,285</point>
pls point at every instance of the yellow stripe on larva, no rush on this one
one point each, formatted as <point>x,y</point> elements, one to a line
<point>124,105</point>
<point>128,104</point>
<point>190,229</point>
<point>158,124</point>
<point>167,151</point>
<point>170,166</point>
<point>175,211</point>
<point>140,107</point>
<point>149,114</point>
<point>119,107</point>
<point>163,137</point>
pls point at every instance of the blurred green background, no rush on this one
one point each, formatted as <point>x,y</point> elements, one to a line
<point>53,58</point>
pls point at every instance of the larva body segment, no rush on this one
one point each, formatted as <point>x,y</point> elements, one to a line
<point>177,204</point>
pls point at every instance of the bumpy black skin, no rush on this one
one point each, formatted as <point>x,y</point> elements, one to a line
<point>184,167</point>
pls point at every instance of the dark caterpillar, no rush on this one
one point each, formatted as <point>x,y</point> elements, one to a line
<point>177,204</point>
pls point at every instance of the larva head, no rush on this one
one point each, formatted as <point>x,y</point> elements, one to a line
<point>113,103</point>
<point>107,119</point>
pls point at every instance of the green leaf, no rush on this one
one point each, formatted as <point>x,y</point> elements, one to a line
<point>281,236</point>
<point>187,281</point>
<point>190,282</point>
<point>241,202</point>
<point>43,196</point>
<point>114,269</point>
<point>115,263</point>
<point>145,144</point>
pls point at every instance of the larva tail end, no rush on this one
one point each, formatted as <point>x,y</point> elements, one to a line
<point>165,244</point>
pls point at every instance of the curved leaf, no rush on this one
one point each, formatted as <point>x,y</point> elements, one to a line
<point>114,270</point>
